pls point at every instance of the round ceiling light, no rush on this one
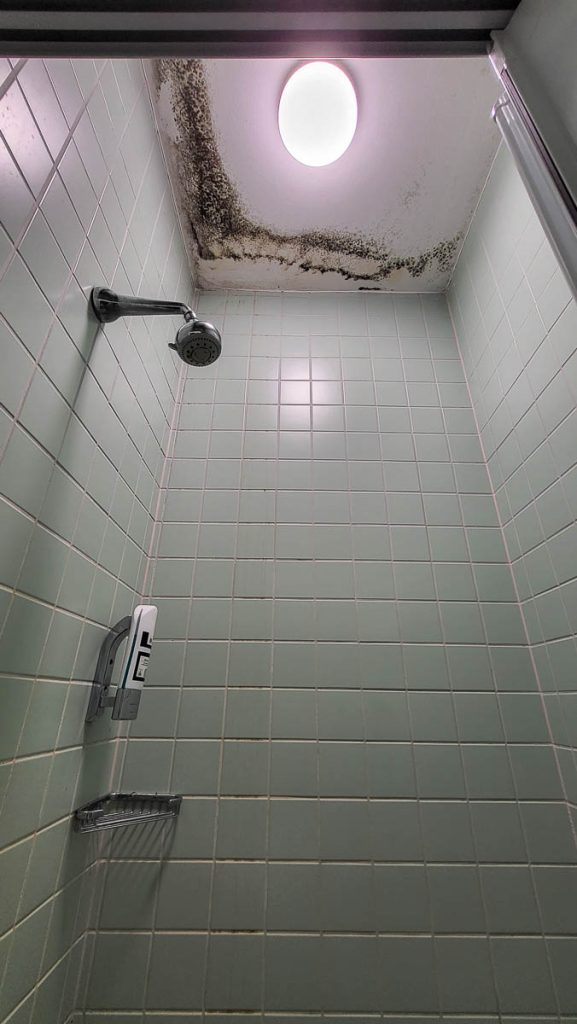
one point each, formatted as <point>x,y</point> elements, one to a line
<point>317,114</point>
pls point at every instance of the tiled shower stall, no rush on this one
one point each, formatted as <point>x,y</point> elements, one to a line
<point>359,528</point>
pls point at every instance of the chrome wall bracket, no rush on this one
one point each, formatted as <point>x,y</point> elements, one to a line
<point>108,306</point>
<point>100,697</point>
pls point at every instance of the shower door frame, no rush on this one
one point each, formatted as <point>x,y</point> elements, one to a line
<point>251,28</point>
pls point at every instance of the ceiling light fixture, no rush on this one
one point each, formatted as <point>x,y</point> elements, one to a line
<point>317,113</point>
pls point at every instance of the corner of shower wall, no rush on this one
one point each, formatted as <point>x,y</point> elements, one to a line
<point>516,325</point>
<point>85,420</point>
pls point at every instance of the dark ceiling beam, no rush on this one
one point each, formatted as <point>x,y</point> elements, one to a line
<point>250,28</point>
<point>445,7</point>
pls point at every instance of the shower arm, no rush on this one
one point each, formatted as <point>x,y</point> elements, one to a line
<point>108,306</point>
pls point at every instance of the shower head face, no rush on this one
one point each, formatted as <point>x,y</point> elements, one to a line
<point>198,343</point>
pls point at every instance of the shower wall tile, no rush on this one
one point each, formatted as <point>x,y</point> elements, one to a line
<point>359,737</point>
<point>516,324</point>
<point>86,415</point>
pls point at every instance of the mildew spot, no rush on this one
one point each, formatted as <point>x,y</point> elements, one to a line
<point>222,228</point>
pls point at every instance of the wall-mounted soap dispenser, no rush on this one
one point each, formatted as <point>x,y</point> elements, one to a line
<point>138,630</point>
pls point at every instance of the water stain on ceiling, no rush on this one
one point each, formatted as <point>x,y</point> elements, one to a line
<point>217,160</point>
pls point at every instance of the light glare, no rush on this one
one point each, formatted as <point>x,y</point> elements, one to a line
<point>317,114</point>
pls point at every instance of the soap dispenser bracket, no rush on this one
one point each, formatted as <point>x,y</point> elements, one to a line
<point>100,697</point>
<point>138,629</point>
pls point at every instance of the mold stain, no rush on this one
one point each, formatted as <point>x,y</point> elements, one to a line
<point>220,226</point>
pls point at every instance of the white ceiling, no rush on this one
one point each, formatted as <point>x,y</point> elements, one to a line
<point>405,189</point>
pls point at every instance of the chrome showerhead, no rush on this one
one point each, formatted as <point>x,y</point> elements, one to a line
<point>197,343</point>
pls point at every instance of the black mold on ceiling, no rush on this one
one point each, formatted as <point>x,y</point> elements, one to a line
<point>222,228</point>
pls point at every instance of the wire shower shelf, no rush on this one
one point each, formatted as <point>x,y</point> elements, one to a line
<point>116,810</point>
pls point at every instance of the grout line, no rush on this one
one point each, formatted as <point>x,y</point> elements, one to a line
<point>500,145</point>
<point>12,76</point>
